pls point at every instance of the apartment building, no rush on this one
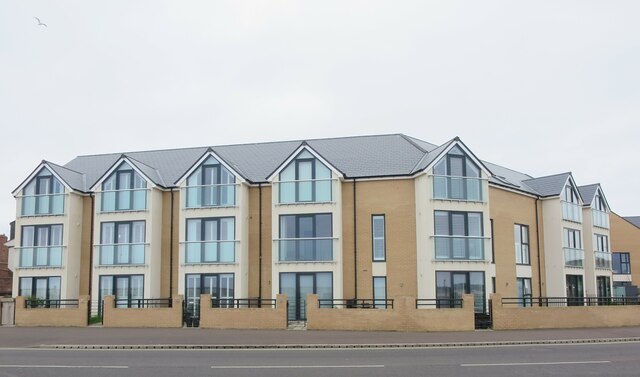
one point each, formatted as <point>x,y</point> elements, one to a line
<point>372,217</point>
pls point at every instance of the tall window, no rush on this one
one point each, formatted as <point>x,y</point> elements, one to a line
<point>378,237</point>
<point>459,235</point>
<point>521,236</point>
<point>211,240</point>
<point>457,177</point>
<point>211,185</point>
<point>124,190</point>
<point>41,246</point>
<point>122,242</point>
<point>306,237</point>
<point>44,195</point>
<point>380,291</point>
<point>40,287</point>
<point>621,263</point>
<point>600,211</point>
<point>524,291</point>
<point>127,289</point>
<point>602,255</point>
<point>219,286</point>
<point>305,179</point>
<point>451,285</point>
<point>573,253</point>
<point>571,209</point>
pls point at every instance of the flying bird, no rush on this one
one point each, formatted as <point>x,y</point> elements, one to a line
<point>40,23</point>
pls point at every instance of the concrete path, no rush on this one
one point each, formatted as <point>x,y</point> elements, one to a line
<point>188,337</point>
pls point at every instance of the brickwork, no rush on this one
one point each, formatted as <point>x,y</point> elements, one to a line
<point>58,317</point>
<point>6,276</point>
<point>626,237</point>
<point>516,318</point>
<point>403,317</point>
<point>142,317</point>
<point>243,318</point>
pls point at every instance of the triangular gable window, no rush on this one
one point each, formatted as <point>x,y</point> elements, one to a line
<point>44,195</point>
<point>211,185</point>
<point>457,177</point>
<point>600,212</point>
<point>571,209</point>
<point>305,180</point>
<point>124,190</point>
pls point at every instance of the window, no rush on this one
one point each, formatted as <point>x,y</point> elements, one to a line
<point>459,235</point>
<point>457,177</point>
<point>306,237</point>
<point>41,246</point>
<point>44,195</point>
<point>305,180</point>
<point>122,242</point>
<point>621,263</point>
<point>40,287</point>
<point>211,185</point>
<point>575,290</point>
<point>521,236</point>
<point>378,237</point>
<point>600,211</point>
<point>451,285</point>
<point>573,253</point>
<point>524,291</point>
<point>571,209</point>
<point>211,240</point>
<point>601,252</point>
<point>127,289</point>
<point>380,292</point>
<point>219,286</point>
<point>124,190</point>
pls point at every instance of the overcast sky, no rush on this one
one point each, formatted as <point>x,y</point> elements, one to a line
<point>542,87</point>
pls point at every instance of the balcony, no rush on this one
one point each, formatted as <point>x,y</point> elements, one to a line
<point>600,219</point>
<point>42,205</point>
<point>40,256</point>
<point>305,191</point>
<point>124,200</point>
<point>458,188</point>
<point>205,196</point>
<point>603,260</point>
<point>209,252</point>
<point>573,257</point>
<point>306,249</point>
<point>571,212</point>
<point>459,248</point>
<point>123,254</point>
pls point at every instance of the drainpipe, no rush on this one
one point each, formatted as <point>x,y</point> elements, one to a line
<point>355,244</point>
<point>171,248</point>
<point>93,210</point>
<point>259,242</point>
<point>538,249</point>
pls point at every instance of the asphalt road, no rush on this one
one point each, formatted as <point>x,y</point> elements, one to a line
<point>614,359</point>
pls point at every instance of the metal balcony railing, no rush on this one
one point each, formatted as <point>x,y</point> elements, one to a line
<point>573,257</point>
<point>40,256</point>
<point>123,200</point>
<point>42,204</point>
<point>305,191</point>
<point>571,212</point>
<point>600,218</point>
<point>439,302</point>
<point>214,195</point>
<point>459,247</point>
<point>122,254</point>
<point>318,249</point>
<point>458,188</point>
<point>203,252</point>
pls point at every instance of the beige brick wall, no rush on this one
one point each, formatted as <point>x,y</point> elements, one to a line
<point>254,242</point>
<point>515,318</point>
<point>168,248</point>
<point>626,237</point>
<point>403,317</point>
<point>86,247</point>
<point>57,317</point>
<point>142,317</point>
<point>243,318</point>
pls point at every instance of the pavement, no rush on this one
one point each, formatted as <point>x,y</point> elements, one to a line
<point>196,338</point>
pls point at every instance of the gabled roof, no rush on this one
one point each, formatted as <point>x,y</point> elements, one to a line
<point>72,180</point>
<point>551,185</point>
<point>635,220</point>
<point>588,193</point>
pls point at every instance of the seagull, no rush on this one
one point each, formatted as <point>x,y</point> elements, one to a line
<point>40,22</point>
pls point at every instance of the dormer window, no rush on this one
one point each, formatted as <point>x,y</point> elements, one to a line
<point>457,177</point>
<point>600,211</point>
<point>211,185</point>
<point>571,209</point>
<point>124,190</point>
<point>44,195</point>
<point>305,180</point>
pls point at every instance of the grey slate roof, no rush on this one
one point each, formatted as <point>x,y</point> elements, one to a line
<point>509,178</point>
<point>551,185</point>
<point>73,178</point>
<point>428,158</point>
<point>588,192</point>
<point>635,220</point>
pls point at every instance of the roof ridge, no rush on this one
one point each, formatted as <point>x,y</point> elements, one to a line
<point>413,143</point>
<point>63,167</point>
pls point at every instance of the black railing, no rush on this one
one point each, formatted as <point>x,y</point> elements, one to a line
<point>296,310</point>
<point>439,302</point>
<point>143,303</point>
<point>569,301</point>
<point>32,303</point>
<point>359,303</point>
<point>243,303</point>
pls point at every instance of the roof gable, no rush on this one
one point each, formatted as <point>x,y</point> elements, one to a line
<point>303,147</point>
<point>135,165</point>
<point>209,153</point>
<point>431,158</point>
<point>71,180</point>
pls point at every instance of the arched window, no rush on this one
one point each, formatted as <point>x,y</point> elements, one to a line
<point>211,185</point>
<point>457,177</point>
<point>124,190</point>
<point>305,180</point>
<point>44,195</point>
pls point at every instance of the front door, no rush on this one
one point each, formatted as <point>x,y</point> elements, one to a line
<point>604,288</point>
<point>298,285</point>
<point>575,290</point>
<point>219,286</point>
